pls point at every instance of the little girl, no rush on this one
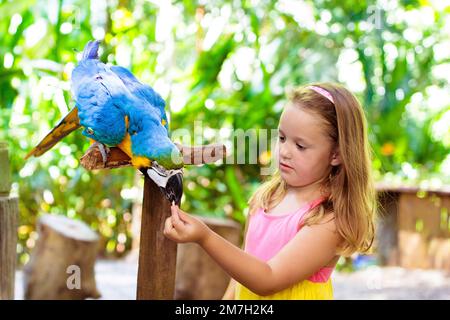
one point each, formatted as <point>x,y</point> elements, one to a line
<point>319,205</point>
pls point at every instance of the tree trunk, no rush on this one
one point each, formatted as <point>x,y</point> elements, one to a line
<point>62,263</point>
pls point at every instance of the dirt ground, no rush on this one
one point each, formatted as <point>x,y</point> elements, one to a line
<point>116,280</point>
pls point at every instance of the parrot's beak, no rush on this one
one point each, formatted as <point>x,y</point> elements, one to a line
<point>169,181</point>
<point>174,188</point>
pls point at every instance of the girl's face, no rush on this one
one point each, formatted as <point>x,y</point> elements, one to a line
<point>306,152</point>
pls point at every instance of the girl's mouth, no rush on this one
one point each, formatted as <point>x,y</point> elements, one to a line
<point>284,166</point>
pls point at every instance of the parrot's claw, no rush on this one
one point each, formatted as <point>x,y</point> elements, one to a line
<point>104,150</point>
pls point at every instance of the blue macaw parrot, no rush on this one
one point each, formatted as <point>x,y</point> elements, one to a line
<point>116,109</point>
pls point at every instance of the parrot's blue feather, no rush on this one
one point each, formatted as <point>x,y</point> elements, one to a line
<point>136,87</point>
<point>98,109</point>
<point>141,90</point>
<point>91,50</point>
<point>106,95</point>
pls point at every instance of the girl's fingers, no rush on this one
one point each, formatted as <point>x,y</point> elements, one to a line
<point>173,209</point>
<point>168,225</point>
<point>169,230</point>
<point>183,216</point>
<point>177,223</point>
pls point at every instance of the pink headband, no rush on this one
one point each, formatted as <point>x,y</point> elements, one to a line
<point>321,91</point>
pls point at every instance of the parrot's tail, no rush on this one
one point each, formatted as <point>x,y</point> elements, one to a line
<point>69,123</point>
<point>91,50</point>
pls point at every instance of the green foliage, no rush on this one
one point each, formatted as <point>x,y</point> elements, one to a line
<point>227,64</point>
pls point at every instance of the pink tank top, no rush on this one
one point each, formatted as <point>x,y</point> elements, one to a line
<point>267,234</point>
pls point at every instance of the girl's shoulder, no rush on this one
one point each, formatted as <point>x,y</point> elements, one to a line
<point>326,218</point>
<point>327,222</point>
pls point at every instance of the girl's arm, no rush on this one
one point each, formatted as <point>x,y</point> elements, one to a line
<point>312,248</point>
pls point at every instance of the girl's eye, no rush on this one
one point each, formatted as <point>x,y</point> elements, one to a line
<point>90,131</point>
<point>300,147</point>
<point>281,138</point>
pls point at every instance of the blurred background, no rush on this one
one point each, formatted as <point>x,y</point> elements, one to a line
<point>229,64</point>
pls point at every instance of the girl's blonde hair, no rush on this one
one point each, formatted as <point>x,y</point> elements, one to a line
<point>350,191</point>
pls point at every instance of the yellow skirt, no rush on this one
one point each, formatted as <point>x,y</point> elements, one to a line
<point>304,290</point>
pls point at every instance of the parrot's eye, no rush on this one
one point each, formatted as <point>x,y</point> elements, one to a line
<point>98,78</point>
<point>90,131</point>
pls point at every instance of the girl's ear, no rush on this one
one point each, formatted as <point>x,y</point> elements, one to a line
<point>335,157</point>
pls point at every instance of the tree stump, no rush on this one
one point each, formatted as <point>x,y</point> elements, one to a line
<point>9,209</point>
<point>61,266</point>
<point>199,277</point>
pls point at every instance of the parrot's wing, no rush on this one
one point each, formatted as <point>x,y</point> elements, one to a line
<point>68,124</point>
<point>141,90</point>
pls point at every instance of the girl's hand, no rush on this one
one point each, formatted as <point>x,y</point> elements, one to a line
<point>182,227</point>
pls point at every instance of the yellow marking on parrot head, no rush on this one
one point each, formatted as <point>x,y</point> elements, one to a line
<point>140,162</point>
<point>163,122</point>
<point>125,146</point>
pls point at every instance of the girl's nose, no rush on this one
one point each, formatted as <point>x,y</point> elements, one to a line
<point>284,151</point>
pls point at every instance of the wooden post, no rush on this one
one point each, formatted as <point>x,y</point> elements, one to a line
<point>9,208</point>
<point>157,254</point>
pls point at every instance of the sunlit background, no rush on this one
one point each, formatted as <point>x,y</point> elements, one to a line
<point>227,64</point>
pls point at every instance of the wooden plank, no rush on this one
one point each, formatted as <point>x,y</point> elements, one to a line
<point>158,254</point>
<point>442,191</point>
<point>421,215</point>
<point>413,250</point>
<point>5,174</point>
<point>9,212</point>
<point>424,235</point>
